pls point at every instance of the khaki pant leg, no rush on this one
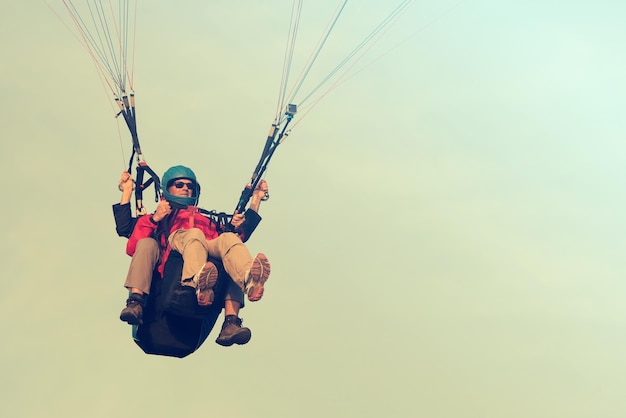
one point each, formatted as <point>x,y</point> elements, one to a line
<point>234,292</point>
<point>234,254</point>
<point>147,256</point>
<point>192,244</point>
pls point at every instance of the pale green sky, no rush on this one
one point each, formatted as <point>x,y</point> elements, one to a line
<point>444,228</point>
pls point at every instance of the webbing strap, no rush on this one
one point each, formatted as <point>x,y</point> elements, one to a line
<point>140,186</point>
<point>221,219</point>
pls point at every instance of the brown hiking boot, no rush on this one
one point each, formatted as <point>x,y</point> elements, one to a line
<point>133,312</point>
<point>233,333</point>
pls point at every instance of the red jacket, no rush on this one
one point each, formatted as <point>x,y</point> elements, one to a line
<point>184,219</point>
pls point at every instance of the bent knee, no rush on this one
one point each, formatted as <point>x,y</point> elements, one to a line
<point>148,244</point>
<point>230,238</point>
<point>195,234</point>
<point>182,238</point>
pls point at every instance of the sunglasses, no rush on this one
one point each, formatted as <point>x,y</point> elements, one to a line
<point>181,184</point>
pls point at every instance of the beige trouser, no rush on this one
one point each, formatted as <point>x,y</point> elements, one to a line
<point>146,258</point>
<point>195,249</point>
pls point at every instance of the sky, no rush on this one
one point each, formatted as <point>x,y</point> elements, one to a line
<point>444,227</point>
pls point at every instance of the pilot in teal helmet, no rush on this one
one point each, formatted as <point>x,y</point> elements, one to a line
<point>179,186</point>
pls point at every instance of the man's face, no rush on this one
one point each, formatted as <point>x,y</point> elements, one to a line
<point>182,188</point>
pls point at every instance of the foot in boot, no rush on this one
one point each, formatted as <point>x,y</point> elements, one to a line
<point>133,312</point>
<point>233,332</point>
<point>259,272</point>
<point>205,280</point>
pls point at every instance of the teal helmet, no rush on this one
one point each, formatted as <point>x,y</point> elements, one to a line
<point>175,173</point>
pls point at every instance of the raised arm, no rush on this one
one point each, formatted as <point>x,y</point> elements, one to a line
<point>124,221</point>
<point>248,221</point>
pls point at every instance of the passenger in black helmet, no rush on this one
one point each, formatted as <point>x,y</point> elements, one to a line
<point>176,224</point>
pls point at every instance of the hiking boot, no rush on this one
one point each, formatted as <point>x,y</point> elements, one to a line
<point>205,279</point>
<point>133,312</point>
<point>256,277</point>
<point>233,333</point>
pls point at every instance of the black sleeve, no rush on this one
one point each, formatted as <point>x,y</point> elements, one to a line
<point>124,221</point>
<point>249,225</point>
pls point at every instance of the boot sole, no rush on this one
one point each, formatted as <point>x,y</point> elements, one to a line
<point>207,278</point>
<point>259,273</point>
